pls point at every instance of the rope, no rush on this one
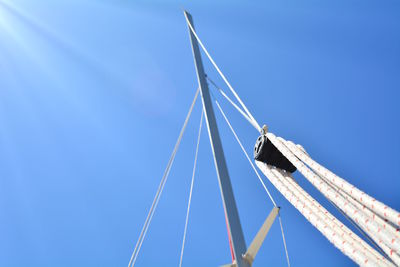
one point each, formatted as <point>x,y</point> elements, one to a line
<point>308,207</point>
<point>367,223</point>
<point>221,74</point>
<point>382,248</point>
<point>262,182</point>
<point>160,187</point>
<point>374,205</point>
<point>232,103</point>
<point>366,236</point>
<point>384,223</point>
<point>327,217</point>
<point>355,203</point>
<point>191,189</point>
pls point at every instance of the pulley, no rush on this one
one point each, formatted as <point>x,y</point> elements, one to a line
<point>266,152</point>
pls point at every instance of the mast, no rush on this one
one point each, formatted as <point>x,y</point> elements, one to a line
<point>236,237</point>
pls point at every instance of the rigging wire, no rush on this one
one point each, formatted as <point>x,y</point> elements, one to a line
<point>221,74</point>
<point>255,170</point>
<point>160,187</point>
<point>244,151</point>
<point>232,103</point>
<point>284,240</point>
<point>248,158</point>
<point>191,189</point>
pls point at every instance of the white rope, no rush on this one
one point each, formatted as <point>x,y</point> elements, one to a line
<point>383,249</point>
<point>316,217</point>
<point>383,227</point>
<point>360,209</point>
<point>367,223</point>
<point>233,103</point>
<point>341,229</point>
<point>221,74</point>
<point>351,209</point>
<point>374,205</point>
<point>371,223</point>
<point>191,189</point>
<point>384,223</point>
<point>379,244</point>
<point>259,177</point>
<point>160,187</point>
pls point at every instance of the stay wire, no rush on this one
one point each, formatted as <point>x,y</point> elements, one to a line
<point>221,74</point>
<point>232,103</point>
<point>160,187</point>
<point>284,239</point>
<point>191,188</point>
<point>244,151</point>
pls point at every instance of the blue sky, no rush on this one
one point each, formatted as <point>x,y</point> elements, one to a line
<point>93,94</point>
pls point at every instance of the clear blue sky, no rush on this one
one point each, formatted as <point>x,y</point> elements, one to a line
<point>93,94</point>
